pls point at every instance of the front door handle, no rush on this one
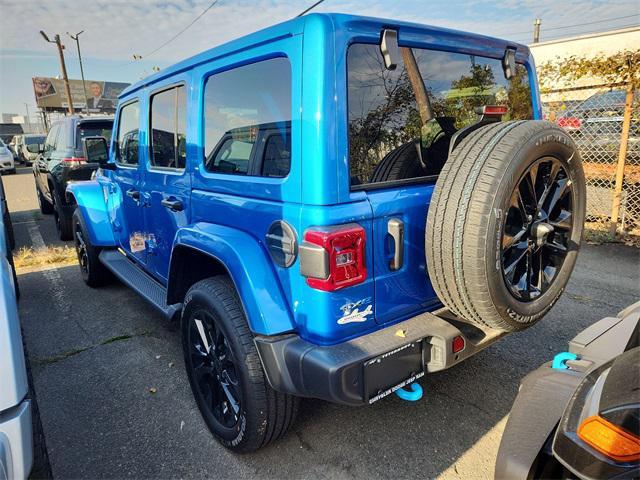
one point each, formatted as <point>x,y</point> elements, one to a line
<point>135,194</point>
<point>174,205</point>
<point>395,228</point>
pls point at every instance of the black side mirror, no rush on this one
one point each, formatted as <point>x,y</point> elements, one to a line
<point>96,150</point>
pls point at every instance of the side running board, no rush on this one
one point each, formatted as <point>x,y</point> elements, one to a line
<point>134,277</point>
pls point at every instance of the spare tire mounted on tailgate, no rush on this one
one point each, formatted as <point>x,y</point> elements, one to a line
<point>505,222</point>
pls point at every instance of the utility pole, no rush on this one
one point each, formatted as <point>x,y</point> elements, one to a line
<point>536,30</point>
<point>84,87</point>
<point>26,105</point>
<point>58,43</point>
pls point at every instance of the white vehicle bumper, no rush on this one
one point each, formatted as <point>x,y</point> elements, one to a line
<point>16,444</point>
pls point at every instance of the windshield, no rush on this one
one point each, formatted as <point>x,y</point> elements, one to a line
<point>34,140</point>
<point>412,111</point>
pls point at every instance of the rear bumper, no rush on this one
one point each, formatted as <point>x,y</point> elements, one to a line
<point>343,373</point>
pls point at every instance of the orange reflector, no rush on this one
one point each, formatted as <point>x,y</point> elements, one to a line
<point>610,439</point>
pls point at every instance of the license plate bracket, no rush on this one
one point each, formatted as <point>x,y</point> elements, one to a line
<point>390,371</point>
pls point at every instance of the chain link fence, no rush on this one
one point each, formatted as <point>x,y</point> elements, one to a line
<point>593,116</point>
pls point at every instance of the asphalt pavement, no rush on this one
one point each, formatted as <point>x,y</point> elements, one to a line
<point>98,354</point>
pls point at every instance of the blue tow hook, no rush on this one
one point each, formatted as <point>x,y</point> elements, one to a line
<point>560,360</point>
<point>411,396</point>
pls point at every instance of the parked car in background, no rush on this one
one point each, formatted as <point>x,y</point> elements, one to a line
<point>7,162</point>
<point>579,416</point>
<point>315,215</point>
<point>61,162</point>
<point>9,130</point>
<point>12,146</point>
<point>29,148</point>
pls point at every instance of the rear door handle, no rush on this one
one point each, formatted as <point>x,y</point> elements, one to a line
<point>172,204</point>
<point>395,228</point>
<point>135,194</point>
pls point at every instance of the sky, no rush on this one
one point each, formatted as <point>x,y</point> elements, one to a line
<point>115,30</point>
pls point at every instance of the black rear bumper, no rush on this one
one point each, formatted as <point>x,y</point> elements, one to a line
<point>344,373</point>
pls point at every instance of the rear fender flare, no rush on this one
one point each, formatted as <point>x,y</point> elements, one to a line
<point>89,197</point>
<point>249,268</point>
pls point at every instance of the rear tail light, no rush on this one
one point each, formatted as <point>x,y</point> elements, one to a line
<point>569,123</point>
<point>333,258</point>
<point>609,439</point>
<point>74,160</point>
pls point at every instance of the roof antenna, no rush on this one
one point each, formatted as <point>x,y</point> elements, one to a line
<point>310,8</point>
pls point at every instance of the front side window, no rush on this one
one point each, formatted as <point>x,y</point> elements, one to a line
<point>169,128</point>
<point>390,137</point>
<point>127,139</point>
<point>248,120</point>
<point>49,144</point>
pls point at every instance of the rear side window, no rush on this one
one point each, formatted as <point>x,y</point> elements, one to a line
<point>388,139</point>
<point>93,129</point>
<point>169,128</point>
<point>50,142</point>
<point>248,120</point>
<point>127,139</point>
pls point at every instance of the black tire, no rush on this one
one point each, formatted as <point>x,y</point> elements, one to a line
<point>8,226</point>
<point>46,208</point>
<point>64,222</point>
<point>93,272</point>
<point>263,415</point>
<point>403,162</point>
<point>471,215</point>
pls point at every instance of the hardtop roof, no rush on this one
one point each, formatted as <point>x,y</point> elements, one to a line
<point>296,26</point>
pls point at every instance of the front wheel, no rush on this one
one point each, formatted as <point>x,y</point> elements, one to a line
<point>64,225</point>
<point>45,207</point>
<point>93,272</point>
<point>236,402</point>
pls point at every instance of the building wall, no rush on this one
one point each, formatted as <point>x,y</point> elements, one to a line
<point>604,42</point>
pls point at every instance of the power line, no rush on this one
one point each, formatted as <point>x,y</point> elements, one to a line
<point>310,8</point>
<point>577,24</point>
<point>577,34</point>
<point>138,57</point>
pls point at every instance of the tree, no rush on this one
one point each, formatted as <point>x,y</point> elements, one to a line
<point>619,68</point>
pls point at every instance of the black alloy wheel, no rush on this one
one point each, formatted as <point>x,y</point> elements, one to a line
<point>81,248</point>
<point>214,367</point>
<point>537,229</point>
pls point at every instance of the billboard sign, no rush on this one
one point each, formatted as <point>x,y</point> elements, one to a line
<point>101,97</point>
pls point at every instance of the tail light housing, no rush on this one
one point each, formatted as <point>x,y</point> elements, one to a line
<point>332,258</point>
<point>74,160</point>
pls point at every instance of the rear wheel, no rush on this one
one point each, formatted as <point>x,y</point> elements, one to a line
<point>236,402</point>
<point>505,223</point>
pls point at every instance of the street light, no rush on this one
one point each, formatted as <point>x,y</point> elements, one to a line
<point>56,40</point>
<point>84,87</point>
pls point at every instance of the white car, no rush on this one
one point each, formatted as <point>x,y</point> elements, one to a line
<point>7,162</point>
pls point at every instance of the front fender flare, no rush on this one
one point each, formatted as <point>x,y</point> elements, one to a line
<point>90,200</point>
<point>250,269</point>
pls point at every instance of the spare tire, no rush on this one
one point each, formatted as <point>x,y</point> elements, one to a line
<point>505,223</point>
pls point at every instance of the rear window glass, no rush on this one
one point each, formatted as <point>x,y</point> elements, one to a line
<point>389,139</point>
<point>93,129</point>
<point>34,140</point>
<point>247,120</point>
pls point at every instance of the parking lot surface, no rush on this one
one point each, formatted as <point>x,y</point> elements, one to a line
<point>98,356</point>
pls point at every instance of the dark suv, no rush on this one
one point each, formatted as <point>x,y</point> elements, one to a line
<point>62,161</point>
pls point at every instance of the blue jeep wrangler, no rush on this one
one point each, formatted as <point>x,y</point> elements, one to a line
<point>333,207</point>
